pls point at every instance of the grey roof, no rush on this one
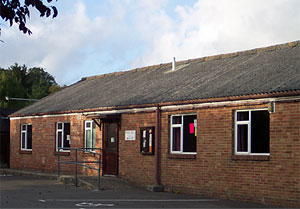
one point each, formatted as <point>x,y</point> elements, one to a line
<point>264,70</point>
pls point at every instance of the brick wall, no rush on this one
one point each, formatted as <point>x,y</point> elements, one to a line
<point>134,166</point>
<point>43,156</point>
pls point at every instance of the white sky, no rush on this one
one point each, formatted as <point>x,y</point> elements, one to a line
<point>95,37</point>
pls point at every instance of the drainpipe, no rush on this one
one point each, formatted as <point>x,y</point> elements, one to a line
<point>157,147</point>
<point>157,187</point>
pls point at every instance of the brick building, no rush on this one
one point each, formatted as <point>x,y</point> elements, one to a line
<point>225,126</point>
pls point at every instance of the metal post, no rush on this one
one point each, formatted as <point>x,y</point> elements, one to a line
<point>76,167</point>
<point>99,186</point>
<point>58,164</point>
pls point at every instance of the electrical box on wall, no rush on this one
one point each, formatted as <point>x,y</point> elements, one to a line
<point>147,140</point>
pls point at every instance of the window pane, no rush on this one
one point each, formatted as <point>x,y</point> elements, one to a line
<point>94,137</point>
<point>29,137</point>
<point>176,139</point>
<point>59,126</point>
<point>176,120</point>
<point>66,135</point>
<point>189,134</point>
<point>88,138</point>
<point>260,132</point>
<point>88,124</point>
<point>243,116</point>
<point>59,139</point>
<point>23,127</point>
<point>23,139</point>
<point>242,138</point>
<point>111,139</point>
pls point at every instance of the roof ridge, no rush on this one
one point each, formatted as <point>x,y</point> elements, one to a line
<point>244,52</point>
<point>123,72</point>
<point>202,59</point>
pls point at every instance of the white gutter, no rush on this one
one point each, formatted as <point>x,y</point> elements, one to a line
<point>218,104</point>
<point>172,107</point>
<point>43,116</point>
<point>131,110</point>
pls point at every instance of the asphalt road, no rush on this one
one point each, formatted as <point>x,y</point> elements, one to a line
<point>42,192</point>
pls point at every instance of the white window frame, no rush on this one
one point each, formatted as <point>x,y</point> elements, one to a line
<point>92,134</point>
<point>26,139</point>
<point>181,134</point>
<point>236,123</point>
<point>62,137</point>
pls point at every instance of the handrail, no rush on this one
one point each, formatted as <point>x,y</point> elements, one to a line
<point>81,163</point>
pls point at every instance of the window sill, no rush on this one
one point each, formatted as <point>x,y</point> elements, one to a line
<point>251,157</point>
<point>147,153</point>
<point>25,151</point>
<point>182,156</point>
<point>63,153</point>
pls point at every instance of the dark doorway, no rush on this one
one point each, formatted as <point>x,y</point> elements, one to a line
<point>4,136</point>
<point>110,149</point>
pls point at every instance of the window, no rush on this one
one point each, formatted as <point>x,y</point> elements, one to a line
<point>252,132</point>
<point>26,137</point>
<point>183,134</point>
<point>90,135</point>
<point>63,136</point>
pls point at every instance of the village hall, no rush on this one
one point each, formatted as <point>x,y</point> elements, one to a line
<point>223,126</point>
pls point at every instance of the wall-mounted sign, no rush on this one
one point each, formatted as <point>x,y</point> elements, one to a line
<point>130,135</point>
<point>112,139</point>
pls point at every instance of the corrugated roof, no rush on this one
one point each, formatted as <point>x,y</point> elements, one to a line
<point>264,70</point>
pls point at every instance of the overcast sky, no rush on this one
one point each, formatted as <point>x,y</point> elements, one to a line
<point>95,37</point>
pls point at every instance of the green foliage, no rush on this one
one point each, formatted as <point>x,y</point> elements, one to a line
<point>20,82</point>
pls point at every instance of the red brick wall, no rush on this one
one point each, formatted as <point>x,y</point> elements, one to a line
<point>215,173</point>
<point>134,166</point>
<point>44,156</point>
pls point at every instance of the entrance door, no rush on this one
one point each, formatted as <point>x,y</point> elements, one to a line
<point>110,151</point>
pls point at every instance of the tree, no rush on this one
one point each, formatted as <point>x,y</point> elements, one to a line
<point>15,12</point>
<point>38,83</point>
<point>55,88</point>
<point>10,85</point>
<point>28,83</point>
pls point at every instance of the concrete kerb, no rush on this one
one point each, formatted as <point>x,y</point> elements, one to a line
<point>155,188</point>
<point>27,173</point>
<point>69,180</point>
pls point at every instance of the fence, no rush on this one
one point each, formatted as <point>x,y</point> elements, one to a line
<point>80,162</point>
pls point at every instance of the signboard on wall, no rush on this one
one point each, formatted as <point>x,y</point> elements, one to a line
<point>130,135</point>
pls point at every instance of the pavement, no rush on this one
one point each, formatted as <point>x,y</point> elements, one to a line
<point>27,189</point>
